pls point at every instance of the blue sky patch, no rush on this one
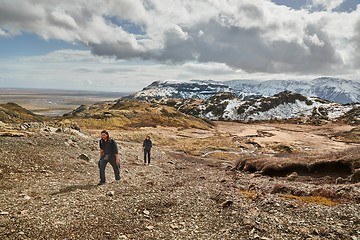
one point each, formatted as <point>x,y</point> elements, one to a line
<point>128,26</point>
<point>29,44</point>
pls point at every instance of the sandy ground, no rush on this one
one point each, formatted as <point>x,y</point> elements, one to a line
<point>314,138</point>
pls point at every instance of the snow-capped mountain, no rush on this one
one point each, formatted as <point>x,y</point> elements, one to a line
<point>285,105</point>
<point>175,89</point>
<point>332,89</point>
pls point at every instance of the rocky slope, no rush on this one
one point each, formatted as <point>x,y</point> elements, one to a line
<point>285,105</point>
<point>12,112</point>
<point>283,185</point>
<point>48,191</point>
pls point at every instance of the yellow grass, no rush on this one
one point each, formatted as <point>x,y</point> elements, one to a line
<point>223,155</point>
<point>199,146</point>
<point>248,194</point>
<point>310,199</point>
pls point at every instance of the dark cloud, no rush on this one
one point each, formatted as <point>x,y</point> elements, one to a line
<point>356,41</point>
<point>119,49</point>
<point>247,49</point>
<point>261,37</point>
<point>14,21</point>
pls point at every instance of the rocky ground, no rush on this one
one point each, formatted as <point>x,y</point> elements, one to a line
<point>49,191</point>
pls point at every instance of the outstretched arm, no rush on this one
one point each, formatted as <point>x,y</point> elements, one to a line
<point>117,159</point>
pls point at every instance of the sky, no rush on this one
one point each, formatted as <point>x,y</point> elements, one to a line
<point>124,45</point>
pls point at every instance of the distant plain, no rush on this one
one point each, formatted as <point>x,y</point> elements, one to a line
<point>50,102</point>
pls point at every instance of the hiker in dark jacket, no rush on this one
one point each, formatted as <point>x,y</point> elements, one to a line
<point>109,153</point>
<point>147,145</point>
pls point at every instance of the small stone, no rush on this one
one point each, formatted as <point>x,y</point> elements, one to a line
<point>340,180</point>
<point>21,233</point>
<point>227,203</point>
<point>247,222</point>
<point>4,213</point>
<point>146,212</point>
<point>111,193</point>
<point>174,226</point>
<point>122,237</point>
<point>292,176</point>
<point>355,177</point>
<point>85,157</point>
<point>26,197</point>
<point>150,227</point>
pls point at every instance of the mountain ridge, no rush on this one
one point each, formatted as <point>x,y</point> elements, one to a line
<point>331,89</point>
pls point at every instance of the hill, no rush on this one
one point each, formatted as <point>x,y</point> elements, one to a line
<point>191,190</point>
<point>125,113</point>
<point>282,106</point>
<point>208,180</point>
<point>13,113</point>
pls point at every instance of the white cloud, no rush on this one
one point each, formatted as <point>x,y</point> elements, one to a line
<point>247,37</point>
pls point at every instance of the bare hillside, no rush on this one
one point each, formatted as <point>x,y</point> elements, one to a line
<point>192,190</point>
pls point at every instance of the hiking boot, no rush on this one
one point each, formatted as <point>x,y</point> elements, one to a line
<point>100,183</point>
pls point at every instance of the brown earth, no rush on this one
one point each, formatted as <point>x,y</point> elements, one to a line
<point>192,190</point>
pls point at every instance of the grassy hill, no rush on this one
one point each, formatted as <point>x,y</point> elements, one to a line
<point>125,113</point>
<point>13,113</point>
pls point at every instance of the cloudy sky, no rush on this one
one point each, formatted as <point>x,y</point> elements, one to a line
<point>124,45</point>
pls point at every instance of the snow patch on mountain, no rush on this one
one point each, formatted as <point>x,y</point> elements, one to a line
<point>282,106</point>
<point>332,89</point>
<point>176,89</point>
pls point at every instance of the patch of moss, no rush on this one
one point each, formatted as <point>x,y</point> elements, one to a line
<point>310,199</point>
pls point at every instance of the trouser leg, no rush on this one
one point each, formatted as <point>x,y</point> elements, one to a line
<point>148,153</point>
<point>102,164</point>
<point>116,168</point>
<point>144,156</point>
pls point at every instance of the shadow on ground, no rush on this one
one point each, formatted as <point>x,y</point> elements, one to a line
<point>74,188</point>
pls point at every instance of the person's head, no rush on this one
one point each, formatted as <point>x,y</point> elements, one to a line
<point>104,135</point>
<point>148,137</point>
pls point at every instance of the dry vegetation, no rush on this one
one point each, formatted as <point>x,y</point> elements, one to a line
<point>133,114</point>
<point>13,113</point>
<point>207,181</point>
